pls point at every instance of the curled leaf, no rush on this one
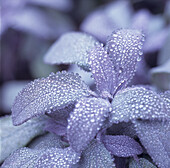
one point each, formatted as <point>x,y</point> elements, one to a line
<point>85,121</point>
<point>124,47</point>
<point>102,69</point>
<point>72,47</point>
<point>42,95</point>
<point>138,103</point>
<point>155,137</point>
<point>96,156</point>
<point>122,146</point>
<point>13,137</point>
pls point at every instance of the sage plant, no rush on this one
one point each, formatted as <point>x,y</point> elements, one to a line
<point>83,121</point>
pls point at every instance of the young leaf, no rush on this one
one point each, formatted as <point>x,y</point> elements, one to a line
<point>138,103</point>
<point>155,137</point>
<point>72,47</point>
<point>124,47</point>
<point>141,163</point>
<point>85,121</point>
<point>13,137</point>
<point>96,156</point>
<point>42,95</point>
<point>122,146</point>
<point>102,69</point>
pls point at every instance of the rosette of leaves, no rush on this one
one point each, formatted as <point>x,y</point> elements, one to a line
<point>81,117</point>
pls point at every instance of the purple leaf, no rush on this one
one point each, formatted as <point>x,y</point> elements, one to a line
<point>71,47</point>
<point>102,69</point>
<point>123,128</point>
<point>141,163</point>
<point>13,137</point>
<point>42,95</point>
<point>58,128</point>
<point>96,156</point>
<point>85,121</point>
<point>124,47</point>
<point>155,137</point>
<point>138,103</point>
<point>122,146</point>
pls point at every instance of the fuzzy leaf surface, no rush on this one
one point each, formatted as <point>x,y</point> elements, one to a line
<point>124,47</point>
<point>155,137</point>
<point>141,163</point>
<point>85,121</point>
<point>42,95</point>
<point>122,146</point>
<point>72,47</point>
<point>138,103</point>
<point>13,137</point>
<point>102,69</point>
<point>48,153</point>
<point>96,156</point>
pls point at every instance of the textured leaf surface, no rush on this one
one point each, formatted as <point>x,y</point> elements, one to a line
<point>102,69</point>
<point>160,76</point>
<point>58,158</point>
<point>155,137</point>
<point>42,95</point>
<point>138,103</point>
<point>166,97</point>
<point>124,47</point>
<point>85,121</point>
<point>141,163</point>
<point>13,137</point>
<point>122,146</point>
<point>96,156</point>
<point>47,141</point>
<point>72,47</point>
<point>48,153</point>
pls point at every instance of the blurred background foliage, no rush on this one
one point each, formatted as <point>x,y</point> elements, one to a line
<point>30,27</point>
